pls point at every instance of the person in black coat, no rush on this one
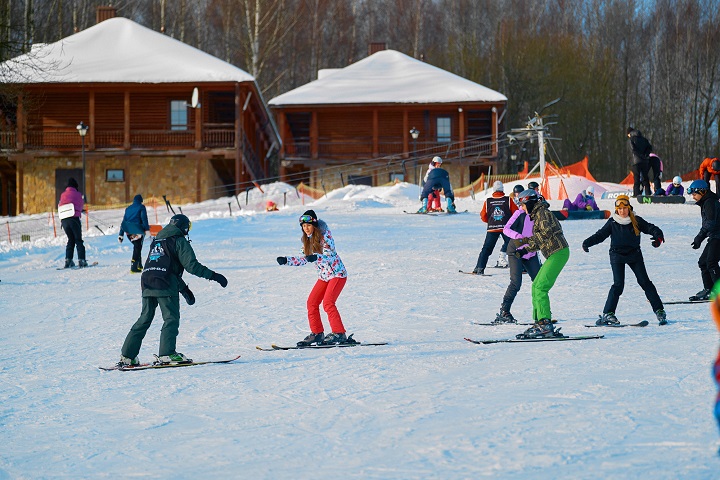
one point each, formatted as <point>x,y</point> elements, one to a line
<point>438,178</point>
<point>641,149</point>
<point>710,229</point>
<point>624,228</point>
<point>135,226</point>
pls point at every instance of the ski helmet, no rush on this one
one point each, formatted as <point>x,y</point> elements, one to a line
<point>590,190</point>
<point>437,160</point>
<point>528,198</point>
<point>677,180</point>
<point>698,186</point>
<point>518,189</point>
<point>534,185</point>
<point>182,222</point>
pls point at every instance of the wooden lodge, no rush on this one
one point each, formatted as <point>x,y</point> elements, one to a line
<point>162,118</point>
<point>356,124</point>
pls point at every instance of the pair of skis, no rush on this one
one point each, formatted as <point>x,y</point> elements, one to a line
<point>148,366</point>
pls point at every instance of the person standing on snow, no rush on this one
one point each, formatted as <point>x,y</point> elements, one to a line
<point>496,212</point>
<point>709,170</point>
<point>434,195</point>
<point>624,228</point>
<point>656,166</point>
<point>641,149</point>
<point>710,229</point>
<point>438,178</point>
<point>135,225</point>
<point>170,255</point>
<point>72,226</point>
<point>319,248</point>
<point>547,236</point>
<point>519,226</point>
<point>585,200</point>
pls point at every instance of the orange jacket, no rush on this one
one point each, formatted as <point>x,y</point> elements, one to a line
<point>706,166</point>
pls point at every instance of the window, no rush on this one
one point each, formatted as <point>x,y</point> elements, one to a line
<point>178,115</point>
<point>114,175</point>
<point>443,129</point>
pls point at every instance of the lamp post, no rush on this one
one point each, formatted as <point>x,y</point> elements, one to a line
<point>415,133</point>
<point>82,130</point>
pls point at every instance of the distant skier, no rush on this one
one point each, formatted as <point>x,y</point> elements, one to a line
<point>135,226</point>
<point>585,200</point>
<point>709,170</point>
<point>710,229</point>
<point>675,188</point>
<point>517,190</point>
<point>438,178</point>
<point>624,229</point>
<point>496,212</point>
<point>318,246</point>
<point>641,149</point>
<point>71,225</point>
<point>170,255</point>
<point>547,237</point>
<point>520,225</point>
<point>434,195</point>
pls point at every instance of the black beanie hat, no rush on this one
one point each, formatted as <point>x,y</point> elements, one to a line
<point>72,183</point>
<point>630,130</point>
<point>312,215</point>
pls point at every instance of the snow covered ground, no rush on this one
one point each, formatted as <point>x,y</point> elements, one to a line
<point>636,404</point>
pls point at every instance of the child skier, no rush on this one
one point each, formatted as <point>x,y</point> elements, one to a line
<point>135,225</point>
<point>434,195</point>
<point>624,228</point>
<point>170,255</point>
<point>319,247</point>
<point>547,236</point>
<point>710,229</point>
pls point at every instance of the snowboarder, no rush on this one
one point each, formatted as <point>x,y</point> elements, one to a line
<point>520,225</point>
<point>641,149</point>
<point>710,229</point>
<point>656,166</point>
<point>624,229</point>
<point>585,200</point>
<point>318,246</point>
<point>547,236</point>
<point>135,226</point>
<point>675,188</point>
<point>710,169</point>
<point>438,178</point>
<point>496,212</point>
<point>161,282</point>
<point>71,225</point>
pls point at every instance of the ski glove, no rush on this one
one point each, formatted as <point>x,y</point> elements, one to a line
<point>585,247</point>
<point>188,295</point>
<point>656,241</point>
<point>216,277</point>
<point>282,260</point>
<point>520,252</point>
<point>697,242</point>
<point>120,238</point>
<point>311,258</point>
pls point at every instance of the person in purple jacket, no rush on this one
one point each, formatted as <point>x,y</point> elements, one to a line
<point>584,201</point>
<point>518,226</point>
<point>675,188</point>
<point>71,225</point>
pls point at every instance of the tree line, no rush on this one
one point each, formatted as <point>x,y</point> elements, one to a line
<point>651,65</point>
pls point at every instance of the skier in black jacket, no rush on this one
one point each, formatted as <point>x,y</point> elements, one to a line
<point>624,228</point>
<point>641,149</point>
<point>710,229</point>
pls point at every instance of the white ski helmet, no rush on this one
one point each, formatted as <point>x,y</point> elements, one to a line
<point>677,180</point>
<point>437,160</point>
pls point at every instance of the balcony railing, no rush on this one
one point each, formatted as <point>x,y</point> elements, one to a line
<point>7,140</point>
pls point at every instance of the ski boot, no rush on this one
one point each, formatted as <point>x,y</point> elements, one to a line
<point>424,208</point>
<point>607,319</point>
<point>313,338</point>
<point>69,263</point>
<point>502,261</point>
<point>127,362</point>
<point>478,271</point>
<point>542,329</point>
<point>450,206</point>
<point>504,317</point>
<point>662,318</point>
<point>82,263</point>
<point>335,339</point>
<point>703,294</point>
<point>135,267</point>
<point>172,359</point>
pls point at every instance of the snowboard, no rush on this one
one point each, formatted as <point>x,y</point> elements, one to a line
<point>78,268</point>
<point>535,340</point>
<point>274,347</point>
<point>644,323</point>
<point>581,214</point>
<point>660,199</point>
<point>473,273</point>
<point>147,366</point>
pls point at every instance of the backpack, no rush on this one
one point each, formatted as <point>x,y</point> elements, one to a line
<point>158,269</point>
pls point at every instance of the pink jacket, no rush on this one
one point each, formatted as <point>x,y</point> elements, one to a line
<point>71,195</point>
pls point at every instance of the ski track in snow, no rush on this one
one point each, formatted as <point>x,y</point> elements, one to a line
<point>636,404</point>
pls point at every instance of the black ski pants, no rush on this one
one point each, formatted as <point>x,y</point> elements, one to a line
<point>657,173</point>
<point>637,265</point>
<point>73,229</point>
<point>707,176</point>
<point>641,174</point>
<point>531,265</point>
<point>491,239</point>
<point>137,250</point>
<point>709,263</point>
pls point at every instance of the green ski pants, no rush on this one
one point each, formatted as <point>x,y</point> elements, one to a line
<point>544,281</point>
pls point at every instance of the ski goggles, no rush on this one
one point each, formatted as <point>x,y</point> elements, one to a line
<point>307,219</point>
<point>699,191</point>
<point>622,203</point>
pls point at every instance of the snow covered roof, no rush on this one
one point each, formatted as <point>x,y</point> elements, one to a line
<point>119,50</point>
<point>388,76</point>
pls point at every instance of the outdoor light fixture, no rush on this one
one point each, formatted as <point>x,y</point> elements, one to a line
<point>82,130</point>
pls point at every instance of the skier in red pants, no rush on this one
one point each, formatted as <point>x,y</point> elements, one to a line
<point>319,248</point>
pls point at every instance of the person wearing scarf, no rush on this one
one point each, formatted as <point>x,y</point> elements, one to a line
<point>624,229</point>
